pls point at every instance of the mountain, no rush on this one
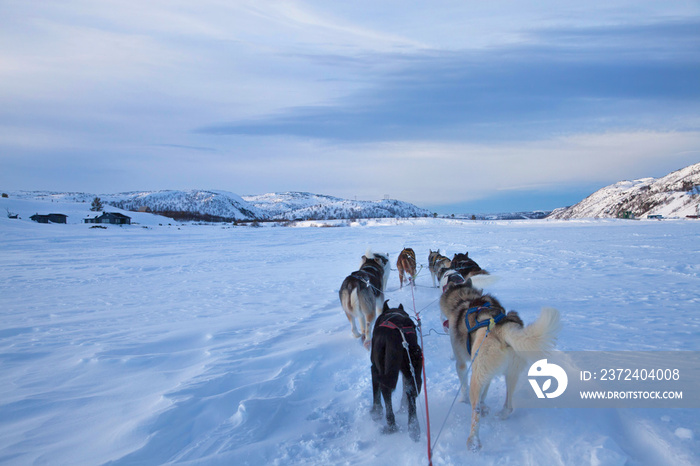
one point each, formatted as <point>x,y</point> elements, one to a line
<point>308,206</point>
<point>227,206</point>
<point>675,195</point>
<point>188,205</point>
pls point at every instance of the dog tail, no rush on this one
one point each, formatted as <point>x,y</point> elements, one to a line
<point>539,336</point>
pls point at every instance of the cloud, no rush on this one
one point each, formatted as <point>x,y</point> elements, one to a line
<point>562,81</point>
<point>351,99</point>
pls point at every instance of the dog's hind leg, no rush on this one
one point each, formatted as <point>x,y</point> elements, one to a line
<point>475,391</point>
<point>364,331</point>
<point>349,302</point>
<point>376,411</point>
<point>410,393</point>
<point>367,306</point>
<point>366,322</point>
<point>482,405</point>
<point>390,427</point>
<point>512,375</point>
<point>459,349</point>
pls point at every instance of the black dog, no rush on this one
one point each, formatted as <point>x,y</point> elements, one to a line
<point>466,266</point>
<point>389,357</point>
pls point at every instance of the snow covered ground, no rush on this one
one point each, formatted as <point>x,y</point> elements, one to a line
<point>212,344</point>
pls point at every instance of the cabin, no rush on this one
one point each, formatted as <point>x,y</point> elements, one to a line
<point>50,218</point>
<point>627,214</point>
<point>113,218</point>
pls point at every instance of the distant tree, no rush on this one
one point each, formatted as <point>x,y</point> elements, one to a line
<point>96,205</point>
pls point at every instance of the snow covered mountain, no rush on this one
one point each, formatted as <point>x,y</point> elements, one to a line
<point>674,195</point>
<point>308,206</point>
<point>188,205</point>
<point>213,205</point>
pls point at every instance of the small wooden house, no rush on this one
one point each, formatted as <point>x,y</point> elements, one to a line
<point>113,218</point>
<point>50,218</point>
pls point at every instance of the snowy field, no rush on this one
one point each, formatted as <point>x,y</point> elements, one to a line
<point>211,344</point>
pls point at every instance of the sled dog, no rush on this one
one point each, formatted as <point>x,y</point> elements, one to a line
<point>406,264</point>
<point>451,277</point>
<point>466,266</point>
<point>362,293</point>
<point>495,342</point>
<point>392,329</point>
<point>437,263</point>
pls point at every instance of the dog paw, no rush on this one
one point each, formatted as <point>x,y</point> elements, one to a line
<point>505,413</point>
<point>474,444</point>
<point>484,410</point>
<point>376,413</point>
<point>414,431</point>
<point>390,429</point>
<point>366,343</point>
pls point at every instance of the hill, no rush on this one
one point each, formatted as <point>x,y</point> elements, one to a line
<point>674,195</point>
<point>308,206</point>
<point>214,205</point>
<point>188,205</point>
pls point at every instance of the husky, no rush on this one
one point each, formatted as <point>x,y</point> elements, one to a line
<point>395,349</point>
<point>437,263</point>
<point>362,293</point>
<point>466,266</point>
<point>496,343</point>
<point>451,277</point>
<point>406,264</point>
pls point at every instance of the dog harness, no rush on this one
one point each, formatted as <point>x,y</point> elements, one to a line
<point>454,278</point>
<point>389,324</point>
<point>465,265</point>
<point>491,322</point>
<point>368,274</point>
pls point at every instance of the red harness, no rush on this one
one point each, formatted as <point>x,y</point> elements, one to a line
<point>389,324</point>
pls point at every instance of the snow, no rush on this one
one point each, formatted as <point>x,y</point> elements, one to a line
<point>213,344</point>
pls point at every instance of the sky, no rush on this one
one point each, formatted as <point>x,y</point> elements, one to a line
<point>455,106</point>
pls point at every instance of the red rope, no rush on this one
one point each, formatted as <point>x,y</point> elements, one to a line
<point>425,380</point>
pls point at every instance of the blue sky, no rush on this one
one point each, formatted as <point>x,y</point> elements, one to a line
<point>456,106</point>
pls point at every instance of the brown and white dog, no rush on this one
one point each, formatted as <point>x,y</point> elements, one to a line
<point>406,264</point>
<point>362,294</point>
<point>437,263</point>
<point>495,341</point>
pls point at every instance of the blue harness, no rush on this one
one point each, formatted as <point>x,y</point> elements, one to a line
<point>479,323</point>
